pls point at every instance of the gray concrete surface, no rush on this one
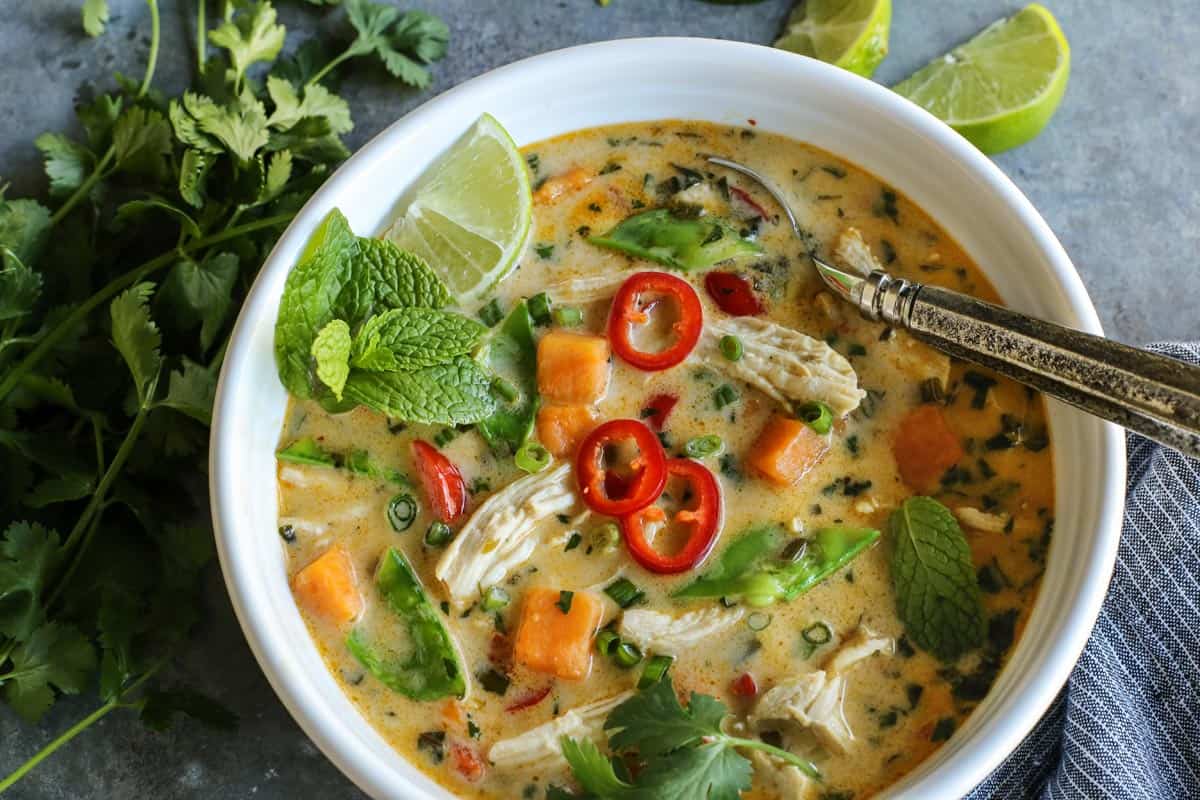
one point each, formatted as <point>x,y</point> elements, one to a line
<point>1117,175</point>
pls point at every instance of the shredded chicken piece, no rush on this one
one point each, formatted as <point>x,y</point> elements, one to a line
<point>589,289</point>
<point>304,477</point>
<point>541,744</point>
<point>499,536</point>
<point>981,520</point>
<point>854,252</point>
<point>860,645</point>
<point>667,635</point>
<point>702,194</point>
<point>782,363</point>
<point>783,779</point>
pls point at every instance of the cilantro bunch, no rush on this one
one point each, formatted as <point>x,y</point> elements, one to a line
<point>116,297</point>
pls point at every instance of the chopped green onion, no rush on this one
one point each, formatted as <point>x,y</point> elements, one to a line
<point>725,395</point>
<point>401,511</point>
<point>539,308</point>
<point>491,314</point>
<point>544,250</point>
<point>607,642</point>
<point>445,436</point>
<point>564,601</point>
<point>654,671</point>
<point>532,457</point>
<point>758,621</point>
<point>494,681</point>
<point>817,416</point>
<point>494,599</point>
<point>731,347</point>
<point>505,388</point>
<point>627,654</point>
<point>438,535</point>
<point>573,542</point>
<point>623,592</point>
<point>566,316</point>
<point>287,533</point>
<point>794,550</point>
<point>817,633</point>
<point>607,537</point>
<point>703,446</point>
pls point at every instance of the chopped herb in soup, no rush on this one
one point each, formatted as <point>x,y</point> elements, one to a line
<point>658,513</point>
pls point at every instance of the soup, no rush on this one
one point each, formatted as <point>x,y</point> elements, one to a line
<point>707,477</point>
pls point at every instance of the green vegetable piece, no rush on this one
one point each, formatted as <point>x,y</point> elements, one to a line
<point>607,642</point>
<point>654,671</point>
<point>662,236</point>
<point>512,356</point>
<point>725,395</point>
<point>539,308</point>
<point>491,314</point>
<point>306,451</point>
<point>627,654</point>
<point>428,668</point>
<point>624,592</point>
<point>494,599</point>
<point>532,457</point>
<point>567,316</point>
<point>817,416</point>
<point>703,446</point>
<point>733,561</point>
<point>439,534</point>
<point>937,592</point>
<point>731,348</point>
<point>401,512</point>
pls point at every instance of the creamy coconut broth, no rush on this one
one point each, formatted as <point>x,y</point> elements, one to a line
<point>919,425</point>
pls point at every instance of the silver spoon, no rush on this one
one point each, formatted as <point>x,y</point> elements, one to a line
<point>1156,396</point>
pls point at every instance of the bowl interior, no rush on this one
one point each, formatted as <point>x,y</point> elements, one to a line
<point>722,82</point>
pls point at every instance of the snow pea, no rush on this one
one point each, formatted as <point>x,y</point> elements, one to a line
<point>512,356</point>
<point>427,666</point>
<point>684,243</point>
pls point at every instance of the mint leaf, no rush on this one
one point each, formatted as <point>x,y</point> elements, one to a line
<point>192,391</point>
<point>593,769</point>
<point>937,592</point>
<point>28,553</point>
<point>136,337</point>
<point>20,286</point>
<point>331,352</point>
<point>398,279</point>
<point>251,36</point>
<point>95,16</point>
<point>201,294</point>
<point>456,393</point>
<point>318,102</point>
<point>414,338</point>
<point>67,162</point>
<point>23,227</point>
<point>57,656</point>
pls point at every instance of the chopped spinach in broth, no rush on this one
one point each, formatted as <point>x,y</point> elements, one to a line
<point>819,610</point>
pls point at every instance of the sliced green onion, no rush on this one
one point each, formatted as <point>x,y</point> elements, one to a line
<point>703,446</point>
<point>654,671</point>
<point>445,436</point>
<point>627,654</point>
<point>607,642</point>
<point>564,601</point>
<point>758,621</point>
<point>817,633</point>
<point>607,537</point>
<point>401,511</point>
<point>731,347</point>
<point>623,592</point>
<point>567,316</point>
<point>491,314</point>
<point>494,599</point>
<point>539,308</point>
<point>532,457</point>
<point>816,415</point>
<point>438,535</point>
<point>505,388</point>
<point>725,395</point>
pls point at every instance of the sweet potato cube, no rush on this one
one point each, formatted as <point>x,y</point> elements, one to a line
<point>560,428</point>
<point>925,446</point>
<point>555,187</point>
<point>327,587</point>
<point>786,450</point>
<point>555,641</point>
<point>572,367</point>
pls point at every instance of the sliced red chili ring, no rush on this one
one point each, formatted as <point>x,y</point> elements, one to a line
<point>606,491</point>
<point>529,701</point>
<point>733,294</point>
<point>628,312</point>
<point>748,199</point>
<point>657,409</point>
<point>702,517</point>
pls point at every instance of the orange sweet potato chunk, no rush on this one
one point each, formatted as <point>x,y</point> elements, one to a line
<point>925,446</point>
<point>551,641</point>
<point>786,450</point>
<point>553,188</point>
<point>560,428</point>
<point>572,367</point>
<point>327,587</point>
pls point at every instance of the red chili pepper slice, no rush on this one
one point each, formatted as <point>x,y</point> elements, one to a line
<point>529,701</point>
<point>657,409</point>
<point>443,483</point>
<point>733,294</point>
<point>606,491</point>
<point>702,517</point>
<point>467,761</point>
<point>628,312</point>
<point>744,686</point>
<point>745,197</point>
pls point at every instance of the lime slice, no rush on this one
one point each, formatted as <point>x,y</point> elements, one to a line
<point>1001,88</point>
<point>851,34</point>
<point>470,212</point>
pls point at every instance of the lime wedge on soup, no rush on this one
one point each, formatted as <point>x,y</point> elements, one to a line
<point>470,212</point>
<point>1001,88</point>
<point>851,34</point>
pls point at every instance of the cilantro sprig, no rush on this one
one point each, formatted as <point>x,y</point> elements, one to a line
<point>117,293</point>
<point>684,751</point>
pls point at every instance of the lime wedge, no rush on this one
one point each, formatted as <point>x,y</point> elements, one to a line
<point>1001,88</point>
<point>851,34</point>
<point>469,217</point>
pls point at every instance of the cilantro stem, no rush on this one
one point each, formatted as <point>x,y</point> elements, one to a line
<point>98,174</point>
<point>201,35</point>
<point>805,766</point>
<point>152,60</point>
<point>323,71</point>
<point>115,286</point>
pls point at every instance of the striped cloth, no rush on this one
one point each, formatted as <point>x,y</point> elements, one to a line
<point>1127,724</point>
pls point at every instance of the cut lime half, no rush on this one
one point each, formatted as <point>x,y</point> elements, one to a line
<point>470,213</point>
<point>851,34</point>
<point>1001,88</point>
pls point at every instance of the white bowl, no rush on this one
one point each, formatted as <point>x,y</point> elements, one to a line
<point>725,82</point>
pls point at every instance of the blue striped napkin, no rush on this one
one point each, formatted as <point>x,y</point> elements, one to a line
<point>1127,724</point>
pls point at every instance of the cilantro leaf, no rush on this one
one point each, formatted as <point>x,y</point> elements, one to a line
<point>142,141</point>
<point>98,118</point>
<point>29,554</point>
<point>251,36</point>
<point>57,656</point>
<point>421,34</point>
<point>713,771</point>
<point>67,162</point>
<point>279,172</point>
<point>118,621</point>
<point>593,769</point>
<point>240,127</point>
<point>653,722</point>
<point>201,294</point>
<point>193,175</point>
<point>160,706</point>
<point>136,208</point>
<point>192,391</point>
<point>455,393</point>
<point>318,102</point>
<point>72,486</point>
<point>20,286</point>
<point>23,227</point>
<point>415,338</point>
<point>137,338</point>
<point>95,16</point>
<point>417,39</point>
<point>331,352</point>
